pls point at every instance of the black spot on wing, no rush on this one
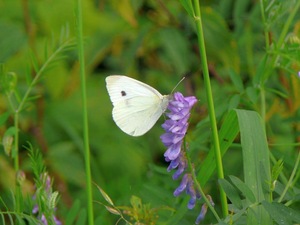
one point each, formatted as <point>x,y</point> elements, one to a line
<point>123,93</point>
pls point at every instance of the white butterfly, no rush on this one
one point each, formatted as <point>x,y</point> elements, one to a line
<point>137,106</point>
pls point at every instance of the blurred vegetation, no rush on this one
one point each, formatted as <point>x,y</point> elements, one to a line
<point>153,41</point>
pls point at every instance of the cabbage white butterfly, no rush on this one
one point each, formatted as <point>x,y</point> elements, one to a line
<point>136,105</point>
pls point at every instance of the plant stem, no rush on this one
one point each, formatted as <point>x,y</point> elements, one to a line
<point>15,152</point>
<point>85,114</point>
<point>263,104</point>
<point>198,186</point>
<point>262,11</point>
<point>287,24</point>
<point>16,160</point>
<point>211,109</point>
<point>278,46</point>
<point>289,184</point>
<point>281,40</point>
<point>38,75</point>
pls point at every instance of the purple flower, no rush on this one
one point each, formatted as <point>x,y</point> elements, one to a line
<point>202,214</point>
<point>177,124</point>
<point>187,184</point>
<point>204,210</point>
<point>46,184</point>
<point>176,127</point>
<point>180,163</point>
<point>182,186</point>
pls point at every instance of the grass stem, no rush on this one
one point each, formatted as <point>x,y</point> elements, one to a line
<point>78,15</point>
<point>211,109</point>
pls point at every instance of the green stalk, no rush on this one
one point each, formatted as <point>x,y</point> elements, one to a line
<point>211,109</point>
<point>85,114</point>
<point>287,24</point>
<point>262,11</point>
<point>281,39</point>
<point>263,103</point>
<point>39,74</point>
<point>198,186</point>
<point>16,161</point>
<point>16,118</point>
<point>18,110</point>
<point>290,182</point>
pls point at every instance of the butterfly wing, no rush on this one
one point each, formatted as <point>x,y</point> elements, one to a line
<point>137,106</point>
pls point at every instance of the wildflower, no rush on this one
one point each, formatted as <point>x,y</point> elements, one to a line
<point>48,195</point>
<point>187,184</point>
<point>202,214</point>
<point>176,127</point>
<point>204,210</point>
<point>177,124</point>
<point>180,163</point>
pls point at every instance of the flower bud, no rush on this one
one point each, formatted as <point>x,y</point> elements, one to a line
<point>20,177</point>
<point>7,142</point>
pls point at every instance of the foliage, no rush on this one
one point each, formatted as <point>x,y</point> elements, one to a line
<point>253,60</point>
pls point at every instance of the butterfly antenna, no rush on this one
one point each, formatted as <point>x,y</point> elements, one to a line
<point>177,84</point>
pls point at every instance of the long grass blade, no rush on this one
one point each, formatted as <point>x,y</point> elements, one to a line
<point>227,134</point>
<point>256,162</point>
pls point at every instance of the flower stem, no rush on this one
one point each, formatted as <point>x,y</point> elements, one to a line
<point>19,109</point>
<point>198,186</point>
<point>212,116</point>
<point>78,15</point>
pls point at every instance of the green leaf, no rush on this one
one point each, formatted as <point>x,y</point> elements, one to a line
<point>3,118</point>
<point>234,102</point>
<point>237,81</point>
<point>11,131</point>
<point>231,193</point>
<point>28,74</point>
<point>46,49</point>
<point>260,72</point>
<point>73,213</point>
<point>222,223</point>
<point>81,217</point>
<point>256,162</point>
<point>2,218</point>
<point>277,92</point>
<point>34,61</point>
<point>10,219</point>
<point>276,169</point>
<point>252,93</point>
<point>227,134</point>
<point>255,158</point>
<point>246,191</point>
<point>187,4</point>
<point>20,220</point>
<point>281,214</point>
<point>237,218</point>
<point>280,188</point>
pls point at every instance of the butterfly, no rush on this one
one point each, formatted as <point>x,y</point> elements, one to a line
<point>136,105</point>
